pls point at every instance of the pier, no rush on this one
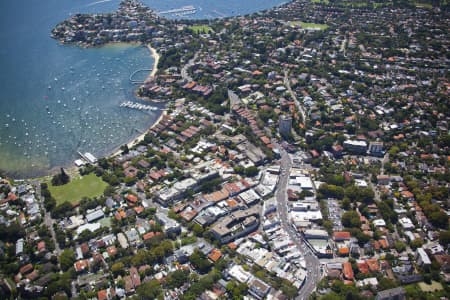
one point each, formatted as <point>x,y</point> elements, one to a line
<point>138,106</point>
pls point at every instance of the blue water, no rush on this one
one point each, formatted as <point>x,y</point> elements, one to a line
<point>56,100</point>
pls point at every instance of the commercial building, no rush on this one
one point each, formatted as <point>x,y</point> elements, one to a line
<point>95,215</point>
<point>376,148</point>
<point>170,225</point>
<point>236,225</point>
<point>356,147</point>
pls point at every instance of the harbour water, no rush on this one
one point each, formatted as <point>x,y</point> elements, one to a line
<point>56,100</point>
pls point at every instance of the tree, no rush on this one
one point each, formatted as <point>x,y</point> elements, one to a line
<point>149,290</point>
<point>61,178</point>
<point>197,229</point>
<point>66,259</point>
<point>177,279</point>
<point>400,246</point>
<point>416,244</point>
<point>125,149</point>
<point>11,233</point>
<point>351,219</point>
<point>199,261</point>
<point>62,210</point>
<point>444,238</point>
<point>251,171</point>
<point>237,290</point>
<point>118,269</point>
<point>439,219</point>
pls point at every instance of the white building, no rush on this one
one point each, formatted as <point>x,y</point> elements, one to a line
<point>406,223</point>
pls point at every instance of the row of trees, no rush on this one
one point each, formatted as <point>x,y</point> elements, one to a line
<point>352,193</point>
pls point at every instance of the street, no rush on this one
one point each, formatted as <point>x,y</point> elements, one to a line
<point>312,262</point>
<point>300,107</point>
<point>184,71</point>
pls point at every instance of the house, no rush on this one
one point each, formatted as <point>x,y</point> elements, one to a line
<point>348,271</point>
<point>215,255</point>
<point>81,265</point>
<point>422,258</point>
<point>406,223</point>
<point>135,278</point>
<point>339,236</point>
<point>258,288</point>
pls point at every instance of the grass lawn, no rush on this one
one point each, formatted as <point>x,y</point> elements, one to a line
<point>200,29</point>
<point>105,222</point>
<point>321,1</point>
<point>434,286</point>
<point>305,25</point>
<point>87,186</point>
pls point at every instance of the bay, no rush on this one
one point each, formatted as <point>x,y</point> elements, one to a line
<point>56,100</point>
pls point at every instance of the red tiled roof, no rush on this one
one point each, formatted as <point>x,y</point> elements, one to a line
<point>132,198</point>
<point>344,251</point>
<point>341,235</point>
<point>363,267</point>
<point>135,277</point>
<point>373,264</point>
<point>348,271</point>
<point>81,265</point>
<point>102,295</point>
<point>215,255</point>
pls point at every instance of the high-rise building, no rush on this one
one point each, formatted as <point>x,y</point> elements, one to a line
<point>285,125</point>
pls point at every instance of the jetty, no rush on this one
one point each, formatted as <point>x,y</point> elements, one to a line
<point>184,9</point>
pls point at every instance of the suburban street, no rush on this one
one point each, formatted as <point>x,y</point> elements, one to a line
<point>300,107</point>
<point>184,71</point>
<point>312,262</point>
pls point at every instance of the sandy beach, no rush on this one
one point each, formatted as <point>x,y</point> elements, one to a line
<point>156,58</point>
<point>140,138</point>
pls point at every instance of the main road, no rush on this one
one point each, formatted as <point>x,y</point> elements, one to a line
<point>312,262</point>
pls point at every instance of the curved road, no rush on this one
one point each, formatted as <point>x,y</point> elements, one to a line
<point>312,262</point>
<point>184,71</point>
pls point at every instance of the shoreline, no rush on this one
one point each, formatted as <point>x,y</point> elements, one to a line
<point>156,57</point>
<point>140,137</point>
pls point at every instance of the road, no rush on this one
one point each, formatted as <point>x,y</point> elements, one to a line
<point>300,107</point>
<point>312,262</point>
<point>184,71</point>
<point>48,221</point>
